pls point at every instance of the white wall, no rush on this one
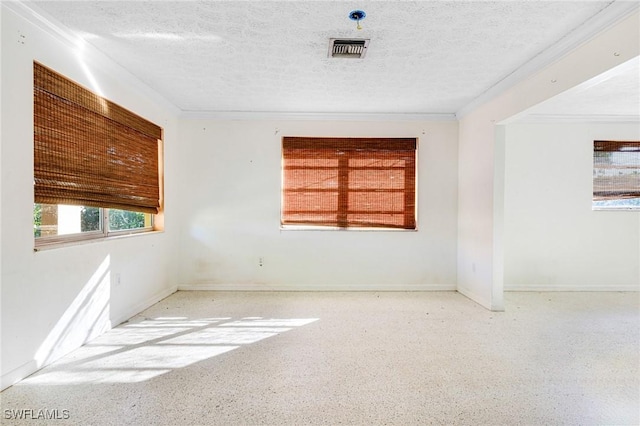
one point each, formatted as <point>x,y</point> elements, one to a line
<point>55,300</point>
<point>553,240</point>
<point>233,214</point>
<point>480,254</point>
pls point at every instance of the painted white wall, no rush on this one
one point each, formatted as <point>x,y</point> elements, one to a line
<point>233,214</point>
<point>1,191</point>
<point>480,215</point>
<point>553,239</point>
<point>55,300</point>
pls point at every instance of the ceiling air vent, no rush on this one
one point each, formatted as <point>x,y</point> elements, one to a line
<point>348,48</point>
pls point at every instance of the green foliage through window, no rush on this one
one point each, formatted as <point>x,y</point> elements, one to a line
<point>51,220</point>
<point>90,219</point>
<point>37,220</point>
<point>123,219</point>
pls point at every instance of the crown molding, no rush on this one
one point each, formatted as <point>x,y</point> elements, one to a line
<point>56,30</point>
<point>606,18</point>
<point>578,118</point>
<point>38,18</point>
<point>314,116</point>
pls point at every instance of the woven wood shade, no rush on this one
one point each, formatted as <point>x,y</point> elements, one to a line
<point>616,170</point>
<point>349,182</point>
<point>89,151</point>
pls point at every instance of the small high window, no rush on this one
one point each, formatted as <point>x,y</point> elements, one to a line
<point>616,175</point>
<point>349,182</point>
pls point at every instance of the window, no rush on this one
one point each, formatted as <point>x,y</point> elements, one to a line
<point>58,222</point>
<point>616,175</point>
<point>349,182</point>
<point>97,166</point>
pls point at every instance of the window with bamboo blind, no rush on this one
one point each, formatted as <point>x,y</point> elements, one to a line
<point>616,175</point>
<point>349,182</point>
<point>91,152</point>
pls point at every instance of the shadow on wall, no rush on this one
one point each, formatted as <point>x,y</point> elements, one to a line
<point>139,351</point>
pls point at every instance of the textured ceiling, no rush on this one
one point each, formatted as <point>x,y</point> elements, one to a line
<point>424,56</point>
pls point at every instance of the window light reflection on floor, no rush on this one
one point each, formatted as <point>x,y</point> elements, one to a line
<point>139,351</point>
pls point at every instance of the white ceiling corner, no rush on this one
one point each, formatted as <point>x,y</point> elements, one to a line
<point>425,59</point>
<point>613,96</point>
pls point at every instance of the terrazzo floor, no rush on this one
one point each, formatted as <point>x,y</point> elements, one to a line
<point>235,358</point>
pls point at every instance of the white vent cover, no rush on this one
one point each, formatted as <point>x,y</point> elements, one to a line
<point>348,48</point>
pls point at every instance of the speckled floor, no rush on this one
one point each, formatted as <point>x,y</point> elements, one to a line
<point>213,358</point>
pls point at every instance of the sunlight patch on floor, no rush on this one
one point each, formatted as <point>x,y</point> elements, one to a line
<point>139,351</point>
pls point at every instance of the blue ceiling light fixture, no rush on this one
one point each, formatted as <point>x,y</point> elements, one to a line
<point>357,15</point>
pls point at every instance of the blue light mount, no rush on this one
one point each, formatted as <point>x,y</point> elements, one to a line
<point>357,15</point>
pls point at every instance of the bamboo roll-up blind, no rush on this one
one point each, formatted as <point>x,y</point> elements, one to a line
<point>616,170</point>
<point>349,182</point>
<point>89,151</point>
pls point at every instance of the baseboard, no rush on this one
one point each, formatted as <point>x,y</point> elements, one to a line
<point>315,287</point>
<point>480,300</point>
<point>143,305</point>
<point>27,369</point>
<point>14,376</point>
<point>632,288</point>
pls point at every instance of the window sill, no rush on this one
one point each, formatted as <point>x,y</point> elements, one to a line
<point>335,228</point>
<point>619,209</point>
<point>81,240</point>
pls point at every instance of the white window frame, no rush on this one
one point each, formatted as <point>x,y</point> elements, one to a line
<point>102,234</point>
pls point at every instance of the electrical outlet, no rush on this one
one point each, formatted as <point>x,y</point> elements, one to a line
<point>117,279</point>
<point>260,261</point>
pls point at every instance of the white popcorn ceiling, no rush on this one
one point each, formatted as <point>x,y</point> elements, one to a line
<point>424,56</point>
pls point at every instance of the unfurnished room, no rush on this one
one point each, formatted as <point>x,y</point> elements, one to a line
<point>320,212</point>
